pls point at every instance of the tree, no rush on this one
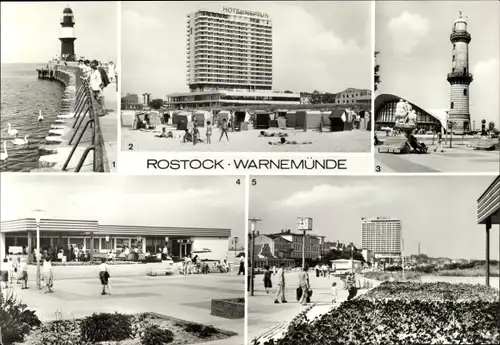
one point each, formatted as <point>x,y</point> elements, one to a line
<point>316,97</point>
<point>288,91</point>
<point>376,72</point>
<point>491,126</point>
<point>329,98</point>
<point>156,103</point>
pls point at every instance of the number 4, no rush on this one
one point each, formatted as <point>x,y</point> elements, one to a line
<point>238,182</point>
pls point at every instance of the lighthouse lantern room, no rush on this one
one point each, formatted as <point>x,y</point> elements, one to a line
<point>67,35</point>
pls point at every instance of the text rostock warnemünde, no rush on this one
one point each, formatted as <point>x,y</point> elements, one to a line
<point>247,164</point>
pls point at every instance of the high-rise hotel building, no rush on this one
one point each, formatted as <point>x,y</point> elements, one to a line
<point>230,61</point>
<point>382,236</point>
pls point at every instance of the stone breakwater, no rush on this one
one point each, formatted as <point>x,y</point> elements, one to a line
<point>57,149</point>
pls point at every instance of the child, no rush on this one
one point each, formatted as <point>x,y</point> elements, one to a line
<point>187,136</point>
<point>104,275</point>
<point>5,273</point>
<point>209,132</point>
<point>334,292</point>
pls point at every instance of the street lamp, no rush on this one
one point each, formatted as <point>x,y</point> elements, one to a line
<point>38,215</point>
<point>253,226</point>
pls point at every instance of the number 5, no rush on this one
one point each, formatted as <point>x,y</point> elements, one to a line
<point>254,182</point>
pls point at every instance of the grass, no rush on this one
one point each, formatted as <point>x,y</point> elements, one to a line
<point>469,272</point>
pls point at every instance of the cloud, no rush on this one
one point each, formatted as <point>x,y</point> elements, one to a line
<point>406,31</point>
<point>484,91</point>
<point>134,20</point>
<point>325,194</point>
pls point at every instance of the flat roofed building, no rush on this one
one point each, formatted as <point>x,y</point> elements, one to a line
<point>100,238</point>
<point>229,50</point>
<point>382,236</point>
<point>352,95</point>
<point>219,98</point>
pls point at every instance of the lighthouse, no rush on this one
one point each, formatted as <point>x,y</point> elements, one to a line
<point>67,35</point>
<point>460,76</point>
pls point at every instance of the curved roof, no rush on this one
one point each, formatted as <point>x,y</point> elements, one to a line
<point>439,114</point>
<point>68,10</point>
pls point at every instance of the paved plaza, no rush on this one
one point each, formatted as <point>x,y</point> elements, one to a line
<point>459,158</point>
<point>269,320</point>
<point>184,297</point>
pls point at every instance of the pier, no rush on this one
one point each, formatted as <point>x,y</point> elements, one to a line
<point>79,140</point>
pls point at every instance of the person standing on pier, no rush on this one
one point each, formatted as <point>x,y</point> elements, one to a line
<point>96,86</point>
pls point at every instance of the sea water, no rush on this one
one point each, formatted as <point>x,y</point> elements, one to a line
<point>23,95</point>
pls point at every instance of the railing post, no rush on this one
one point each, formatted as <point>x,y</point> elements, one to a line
<point>79,125</point>
<point>76,144</point>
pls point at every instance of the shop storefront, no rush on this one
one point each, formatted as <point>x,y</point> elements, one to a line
<point>18,237</point>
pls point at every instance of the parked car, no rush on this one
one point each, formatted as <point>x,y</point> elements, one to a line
<point>166,267</point>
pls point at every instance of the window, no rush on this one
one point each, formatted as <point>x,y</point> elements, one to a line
<point>451,106</point>
<point>465,70</point>
<point>453,57</point>
<point>453,45</point>
<point>465,92</point>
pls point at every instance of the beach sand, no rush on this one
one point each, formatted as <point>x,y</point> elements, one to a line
<point>249,141</point>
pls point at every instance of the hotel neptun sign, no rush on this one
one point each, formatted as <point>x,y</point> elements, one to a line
<point>238,11</point>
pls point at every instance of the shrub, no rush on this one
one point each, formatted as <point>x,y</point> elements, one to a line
<point>207,331</point>
<point>15,319</point>
<point>61,332</point>
<point>154,335</point>
<point>106,327</point>
<point>193,328</point>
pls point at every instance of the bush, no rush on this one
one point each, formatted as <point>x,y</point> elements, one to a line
<point>15,319</point>
<point>106,327</point>
<point>61,332</point>
<point>154,335</point>
<point>193,328</point>
<point>207,331</point>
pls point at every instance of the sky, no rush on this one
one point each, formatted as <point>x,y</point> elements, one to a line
<point>128,200</point>
<point>31,30</point>
<point>324,46</point>
<point>438,211</point>
<point>413,39</point>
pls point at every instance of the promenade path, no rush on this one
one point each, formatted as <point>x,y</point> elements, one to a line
<point>184,297</point>
<point>459,158</point>
<point>267,320</point>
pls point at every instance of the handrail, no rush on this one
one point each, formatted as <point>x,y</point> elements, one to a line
<point>85,111</point>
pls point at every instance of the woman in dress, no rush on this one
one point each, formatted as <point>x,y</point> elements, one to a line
<point>304,285</point>
<point>268,284</point>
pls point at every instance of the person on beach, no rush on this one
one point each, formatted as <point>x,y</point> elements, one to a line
<point>196,134</point>
<point>283,141</point>
<point>268,284</point>
<point>187,137</point>
<point>48,275</point>
<point>104,276</point>
<point>280,292</point>
<point>209,132</point>
<point>224,128</point>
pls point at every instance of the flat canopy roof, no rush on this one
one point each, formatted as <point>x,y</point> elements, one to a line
<point>90,226</point>
<point>488,204</point>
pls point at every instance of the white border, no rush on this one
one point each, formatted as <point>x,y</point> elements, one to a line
<point>372,113</point>
<point>119,156</point>
<point>247,215</point>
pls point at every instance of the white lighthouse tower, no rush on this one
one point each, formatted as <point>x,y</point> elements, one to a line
<point>67,35</point>
<point>460,76</point>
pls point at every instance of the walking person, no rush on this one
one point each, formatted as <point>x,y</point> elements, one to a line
<point>268,284</point>
<point>304,285</point>
<point>242,266</point>
<point>351,286</point>
<point>224,128</point>
<point>4,273</point>
<point>23,269</point>
<point>439,146</point>
<point>104,276</point>
<point>48,275</point>
<point>280,292</point>
<point>334,292</point>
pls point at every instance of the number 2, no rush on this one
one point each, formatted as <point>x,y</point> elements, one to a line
<point>130,146</point>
